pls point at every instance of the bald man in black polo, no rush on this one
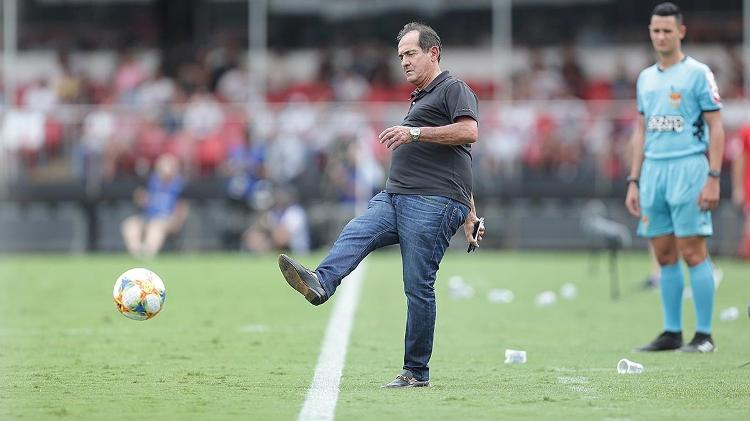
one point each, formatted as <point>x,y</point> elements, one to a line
<point>428,196</point>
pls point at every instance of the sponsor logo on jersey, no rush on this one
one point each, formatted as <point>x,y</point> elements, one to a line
<point>675,99</point>
<point>666,123</point>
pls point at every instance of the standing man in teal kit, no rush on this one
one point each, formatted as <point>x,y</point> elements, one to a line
<point>672,185</point>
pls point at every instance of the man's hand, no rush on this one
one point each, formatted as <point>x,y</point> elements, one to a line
<point>395,136</point>
<point>709,197</point>
<point>469,230</point>
<point>632,201</point>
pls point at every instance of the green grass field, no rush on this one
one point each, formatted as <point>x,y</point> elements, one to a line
<point>235,342</point>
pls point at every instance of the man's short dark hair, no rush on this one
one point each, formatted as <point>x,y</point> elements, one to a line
<point>668,9</point>
<point>428,38</point>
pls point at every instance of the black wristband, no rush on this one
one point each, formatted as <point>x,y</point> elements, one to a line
<point>631,179</point>
<point>714,173</point>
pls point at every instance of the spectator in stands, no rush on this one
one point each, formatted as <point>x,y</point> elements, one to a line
<point>203,115</point>
<point>192,76</point>
<point>99,128</point>
<point>380,71</point>
<point>128,76</point>
<point>230,78</point>
<point>736,78</point>
<point>506,132</point>
<point>543,82</point>
<point>221,59</point>
<point>202,144</point>
<point>68,84</point>
<point>156,90</point>
<point>245,169</point>
<point>163,211</point>
<point>349,165</point>
<point>40,97</point>
<point>287,149</point>
<point>572,72</point>
<point>349,85</point>
<point>234,84</point>
<point>283,227</point>
<point>622,83</point>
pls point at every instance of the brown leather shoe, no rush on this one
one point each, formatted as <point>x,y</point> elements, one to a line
<point>303,280</point>
<point>406,379</point>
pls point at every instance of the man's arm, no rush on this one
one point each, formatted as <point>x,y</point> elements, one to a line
<point>709,197</point>
<point>465,130</point>
<point>632,201</point>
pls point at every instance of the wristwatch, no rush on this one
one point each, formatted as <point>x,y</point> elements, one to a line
<point>714,173</point>
<point>414,132</point>
<point>632,179</point>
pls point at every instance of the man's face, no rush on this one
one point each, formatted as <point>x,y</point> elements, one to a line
<point>417,64</point>
<point>666,34</point>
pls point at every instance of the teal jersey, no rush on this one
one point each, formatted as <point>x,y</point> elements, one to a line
<point>672,102</point>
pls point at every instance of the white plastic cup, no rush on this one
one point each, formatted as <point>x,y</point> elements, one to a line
<point>456,282</point>
<point>569,291</point>
<point>461,292</point>
<point>625,366</point>
<point>729,314</point>
<point>458,289</point>
<point>513,356</point>
<point>502,296</point>
<point>545,299</point>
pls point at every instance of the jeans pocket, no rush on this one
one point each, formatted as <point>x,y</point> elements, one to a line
<point>458,216</point>
<point>380,197</point>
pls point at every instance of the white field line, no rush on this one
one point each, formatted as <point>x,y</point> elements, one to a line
<point>320,403</point>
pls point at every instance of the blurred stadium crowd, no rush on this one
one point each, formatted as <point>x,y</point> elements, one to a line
<point>561,123</point>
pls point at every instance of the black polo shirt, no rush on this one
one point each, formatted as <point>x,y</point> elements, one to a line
<point>429,168</point>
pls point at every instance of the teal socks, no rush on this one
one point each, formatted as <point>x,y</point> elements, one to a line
<point>671,286</point>
<point>702,282</point>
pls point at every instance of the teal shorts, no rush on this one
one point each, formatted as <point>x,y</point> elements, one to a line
<point>669,197</point>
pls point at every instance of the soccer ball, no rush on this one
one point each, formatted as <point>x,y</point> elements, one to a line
<point>139,294</point>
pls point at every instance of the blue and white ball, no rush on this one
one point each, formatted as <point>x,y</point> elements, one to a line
<point>139,294</point>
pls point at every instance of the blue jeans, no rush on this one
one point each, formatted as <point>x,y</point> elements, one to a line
<point>423,225</point>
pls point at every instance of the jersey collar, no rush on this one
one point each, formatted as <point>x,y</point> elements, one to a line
<point>659,68</point>
<point>435,82</point>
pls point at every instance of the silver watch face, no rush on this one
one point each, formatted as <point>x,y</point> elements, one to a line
<point>414,132</point>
